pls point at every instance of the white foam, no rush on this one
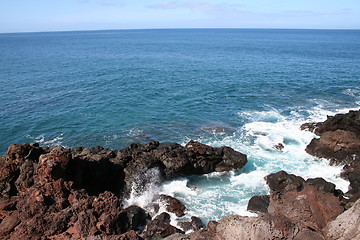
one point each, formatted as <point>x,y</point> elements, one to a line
<point>352,92</point>
<point>178,186</point>
<point>257,138</point>
<point>215,195</point>
<point>41,139</point>
<point>251,180</point>
<point>143,196</point>
<point>240,209</point>
<point>271,115</point>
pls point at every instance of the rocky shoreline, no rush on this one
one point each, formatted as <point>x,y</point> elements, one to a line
<point>78,193</point>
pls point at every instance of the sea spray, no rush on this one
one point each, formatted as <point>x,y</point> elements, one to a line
<point>215,195</point>
<point>144,189</point>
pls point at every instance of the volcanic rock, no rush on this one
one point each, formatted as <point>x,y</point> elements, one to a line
<point>349,122</point>
<point>259,204</point>
<point>137,217</point>
<point>163,217</point>
<point>267,226</point>
<point>279,146</point>
<point>197,223</point>
<point>60,193</point>
<point>346,226</point>
<point>299,201</point>
<point>340,143</point>
<point>173,205</point>
<point>171,160</point>
<point>282,182</point>
<point>157,229</point>
<point>341,147</point>
<point>297,209</point>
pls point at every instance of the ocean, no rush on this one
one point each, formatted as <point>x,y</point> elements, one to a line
<point>249,89</point>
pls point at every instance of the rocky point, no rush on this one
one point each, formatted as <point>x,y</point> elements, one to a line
<point>61,193</point>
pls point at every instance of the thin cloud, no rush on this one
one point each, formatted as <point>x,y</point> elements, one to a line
<point>110,3</point>
<point>107,3</point>
<point>343,11</point>
<point>83,1</point>
<point>226,10</point>
<point>195,5</point>
<point>219,10</point>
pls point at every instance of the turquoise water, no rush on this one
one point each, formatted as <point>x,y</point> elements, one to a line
<point>246,88</point>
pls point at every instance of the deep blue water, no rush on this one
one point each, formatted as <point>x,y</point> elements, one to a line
<point>247,88</point>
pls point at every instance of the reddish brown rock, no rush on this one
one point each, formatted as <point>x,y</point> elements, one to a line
<point>158,230</point>
<point>46,205</point>
<point>173,205</point>
<point>348,122</point>
<point>60,193</point>
<point>18,163</point>
<point>8,224</point>
<point>299,201</point>
<point>297,209</point>
<point>54,165</point>
<point>130,235</point>
<point>341,147</point>
<point>268,226</point>
<point>340,143</point>
<point>346,226</point>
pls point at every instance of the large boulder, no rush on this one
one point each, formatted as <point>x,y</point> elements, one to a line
<point>346,226</point>
<point>348,122</point>
<point>211,159</point>
<point>339,142</point>
<point>171,160</point>
<point>341,147</point>
<point>156,230</point>
<point>173,205</point>
<point>259,204</point>
<point>302,202</point>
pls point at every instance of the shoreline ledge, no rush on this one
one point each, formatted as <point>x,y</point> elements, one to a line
<point>339,141</point>
<point>298,209</point>
<point>76,193</point>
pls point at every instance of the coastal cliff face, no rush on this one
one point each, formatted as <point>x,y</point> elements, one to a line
<point>60,193</point>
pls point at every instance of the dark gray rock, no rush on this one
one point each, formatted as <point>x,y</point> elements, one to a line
<point>259,204</point>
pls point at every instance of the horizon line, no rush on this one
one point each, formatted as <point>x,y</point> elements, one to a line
<point>179,28</point>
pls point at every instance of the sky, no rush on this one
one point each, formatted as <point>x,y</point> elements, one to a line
<point>69,15</point>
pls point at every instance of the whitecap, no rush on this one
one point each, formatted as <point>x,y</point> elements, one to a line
<point>228,193</point>
<point>45,141</point>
